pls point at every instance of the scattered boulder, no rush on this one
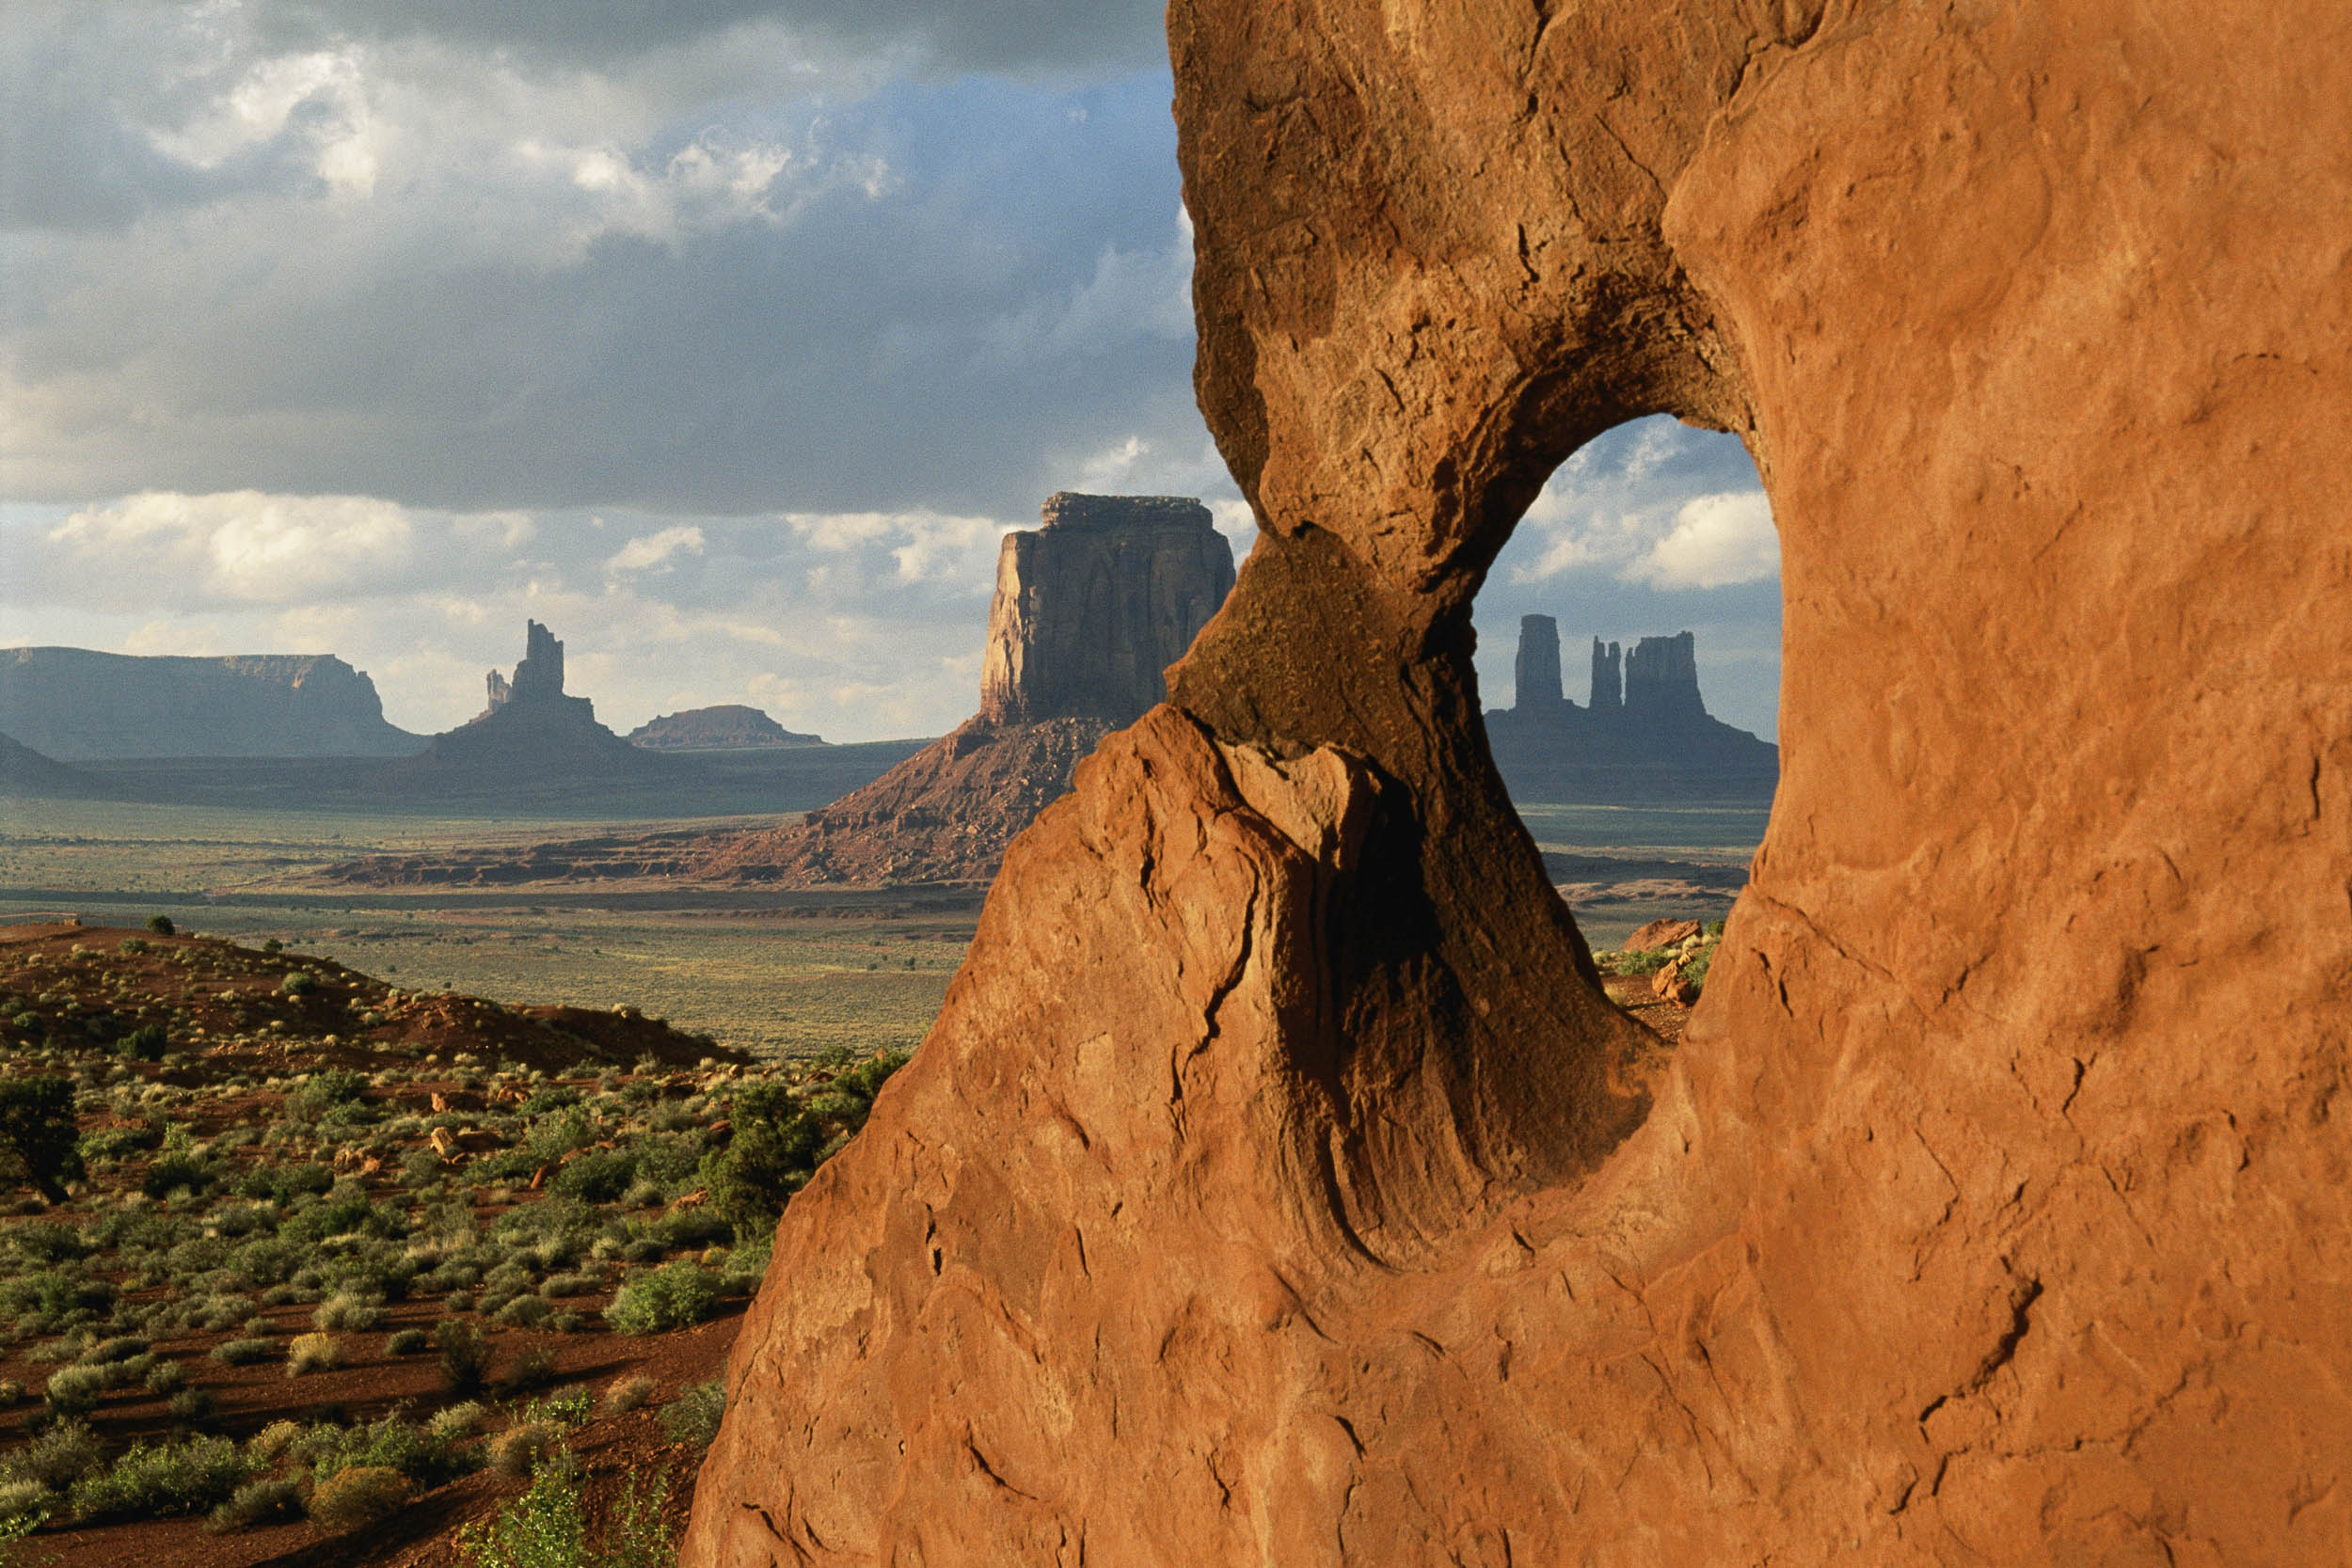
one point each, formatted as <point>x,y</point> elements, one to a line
<point>1660,933</point>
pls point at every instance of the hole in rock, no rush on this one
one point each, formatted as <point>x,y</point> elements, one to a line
<point>1628,664</point>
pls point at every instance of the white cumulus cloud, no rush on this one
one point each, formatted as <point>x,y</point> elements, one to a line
<point>652,550</point>
<point>242,545</point>
<point>1716,541</point>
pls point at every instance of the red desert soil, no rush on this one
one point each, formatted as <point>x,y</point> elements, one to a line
<point>236,1040</point>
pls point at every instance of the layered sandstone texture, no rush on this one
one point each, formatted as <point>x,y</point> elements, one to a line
<point>1093,608</point>
<point>1275,1187</point>
<point>78,706</point>
<point>1090,607</point>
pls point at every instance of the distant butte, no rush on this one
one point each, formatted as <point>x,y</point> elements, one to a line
<point>1643,736</point>
<point>729,727</point>
<point>1090,609</point>
<point>529,731</point>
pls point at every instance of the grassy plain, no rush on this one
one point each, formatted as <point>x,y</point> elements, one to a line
<point>774,974</point>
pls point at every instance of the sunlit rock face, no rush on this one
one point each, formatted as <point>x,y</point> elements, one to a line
<point>1091,608</point>
<point>1089,611</point>
<point>1275,1187</point>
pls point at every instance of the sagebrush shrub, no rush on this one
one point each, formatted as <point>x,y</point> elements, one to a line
<point>192,1477</point>
<point>691,1419</point>
<point>269,1501</point>
<point>676,1295</point>
<point>361,1496</point>
<point>313,1352</point>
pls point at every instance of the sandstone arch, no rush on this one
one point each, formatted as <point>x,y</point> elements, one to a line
<point>1992,1208</point>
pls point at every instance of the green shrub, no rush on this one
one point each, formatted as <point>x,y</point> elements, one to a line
<point>598,1177</point>
<point>56,1459</point>
<point>146,1043</point>
<point>545,1527</point>
<point>464,1356</point>
<point>161,925</point>
<point>427,1455</point>
<point>676,1295</point>
<point>193,1406</point>
<point>407,1342</point>
<point>24,1507</point>
<point>524,1447</point>
<point>38,1139</point>
<point>691,1419</point>
<point>627,1393</point>
<point>298,982</point>
<point>245,1352</point>
<point>174,1170</point>
<point>532,1369</point>
<point>454,1423</point>
<point>348,1313</point>
<point>74,1391</point>
<point>521,1312</point>
<point>47,1241</point>
<point>165,1378</point>
<point>274,1500</point>
<point>190,1477</point>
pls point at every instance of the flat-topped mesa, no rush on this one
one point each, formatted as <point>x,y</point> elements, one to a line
<point>1537,674</point>
<point>1093,608</point>
<point>1661,678</point>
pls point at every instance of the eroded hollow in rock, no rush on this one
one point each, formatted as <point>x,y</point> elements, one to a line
<point>1466,1050</point>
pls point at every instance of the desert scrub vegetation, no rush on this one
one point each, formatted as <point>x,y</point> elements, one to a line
<point>1692,957</point>
<point>222,1203</point>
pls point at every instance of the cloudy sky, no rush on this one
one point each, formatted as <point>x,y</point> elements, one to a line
<point>727,337</point>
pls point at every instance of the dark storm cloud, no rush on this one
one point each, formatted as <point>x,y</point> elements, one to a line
<point>956,35</point>
<point>854,305</point>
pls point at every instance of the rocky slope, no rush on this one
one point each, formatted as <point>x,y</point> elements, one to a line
<point>76,705</point>
<point>729,727</point>
<point>944,815</point>
<point>1275,1184</point>
<point>25,773</point>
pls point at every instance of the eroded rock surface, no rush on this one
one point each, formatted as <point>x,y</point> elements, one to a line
<point>1275,1186</point>
<point>727,727</point>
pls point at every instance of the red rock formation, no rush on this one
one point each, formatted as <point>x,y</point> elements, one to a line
<point>1275,1188</point>
<point>530,731</point>
<point>1093,608</point>
<point>1089,611</point>
<point>944,815</point>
